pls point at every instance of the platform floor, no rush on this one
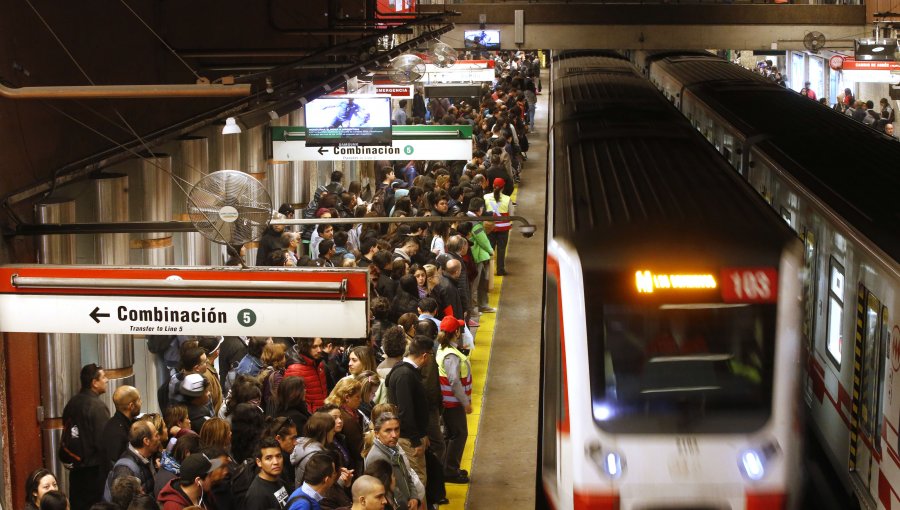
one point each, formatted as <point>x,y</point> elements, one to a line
<point>501,454</point>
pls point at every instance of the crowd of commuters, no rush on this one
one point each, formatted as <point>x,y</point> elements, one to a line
<point>310,423</point>
<point>881,119</point>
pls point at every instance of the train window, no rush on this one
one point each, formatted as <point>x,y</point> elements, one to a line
<point>809,287</point>
<point>686,368</point>
<point>872,369</point>
<point>552,397</point>
<point>835,312</point>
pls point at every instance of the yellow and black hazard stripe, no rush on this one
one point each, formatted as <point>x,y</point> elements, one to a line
<point>857,374</point>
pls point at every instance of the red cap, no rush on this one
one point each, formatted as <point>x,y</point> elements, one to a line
<point>450,324</point>
<point>499,182</point>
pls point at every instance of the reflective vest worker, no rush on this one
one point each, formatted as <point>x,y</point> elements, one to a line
<point>499,205</point>
<point>455,374</point>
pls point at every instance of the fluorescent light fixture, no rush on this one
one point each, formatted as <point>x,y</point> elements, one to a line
<point>875,49</point>
<point>231,127</point>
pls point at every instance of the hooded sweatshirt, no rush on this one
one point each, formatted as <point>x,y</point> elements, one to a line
<point>303,451</point>
<point>173,498</point>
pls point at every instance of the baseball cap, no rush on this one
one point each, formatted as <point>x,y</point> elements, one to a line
<point>450,324</point>
<point>499,182</point>
<point>193,385</point>
<point>196,466</point>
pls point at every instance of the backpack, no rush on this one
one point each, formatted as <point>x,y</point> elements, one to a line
<point>71,446</point>
<point>378,200</point>
<point>159,344</point>
<point>241,478</point>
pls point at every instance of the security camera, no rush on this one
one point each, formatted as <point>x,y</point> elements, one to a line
<point>527,231</point>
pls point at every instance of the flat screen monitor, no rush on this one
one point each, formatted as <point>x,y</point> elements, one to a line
<point>348,120</point>
<point>484,39</point>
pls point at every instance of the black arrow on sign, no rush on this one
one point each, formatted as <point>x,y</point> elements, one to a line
<point>321,151</point>
<point>95,315</point>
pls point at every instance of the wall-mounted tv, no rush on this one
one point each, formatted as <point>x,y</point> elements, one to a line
<point>348,120</point>
<point>483,39</point>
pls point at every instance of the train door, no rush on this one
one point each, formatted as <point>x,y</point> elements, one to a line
<point>866,410</point>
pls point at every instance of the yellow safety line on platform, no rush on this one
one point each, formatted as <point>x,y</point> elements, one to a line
<point>458,494</point>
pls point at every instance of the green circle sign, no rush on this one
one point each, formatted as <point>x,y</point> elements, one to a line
<point>247,317</point>
<point>408,150</point>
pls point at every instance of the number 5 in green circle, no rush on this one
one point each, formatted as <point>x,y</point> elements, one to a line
<point>247,317</point>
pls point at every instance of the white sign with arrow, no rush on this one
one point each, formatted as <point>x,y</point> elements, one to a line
<point>137,315</point>
<point>399,150</point>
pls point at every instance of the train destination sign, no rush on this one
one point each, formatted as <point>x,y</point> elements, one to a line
<point>184,301</point>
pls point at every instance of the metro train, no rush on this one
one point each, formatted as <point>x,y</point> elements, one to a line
<point>834,181</point>
<point>672,311</point>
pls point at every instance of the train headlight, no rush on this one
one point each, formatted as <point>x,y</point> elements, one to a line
<point>613,465</point>
<point>753,464</point>
<point>608,462</point>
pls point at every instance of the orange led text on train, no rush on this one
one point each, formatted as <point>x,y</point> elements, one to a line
<point>647,281</point>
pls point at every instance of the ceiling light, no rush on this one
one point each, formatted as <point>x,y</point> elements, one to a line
<point>877,49</point>
<point>231,127</point>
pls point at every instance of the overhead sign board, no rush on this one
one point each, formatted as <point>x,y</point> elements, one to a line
<point>409,142</point>
<point>183,301</point>
<point>871,71</point>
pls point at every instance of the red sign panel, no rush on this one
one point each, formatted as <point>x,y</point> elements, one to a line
<point>870,65</point>
<point>389,10</point>
<point>749,285</point>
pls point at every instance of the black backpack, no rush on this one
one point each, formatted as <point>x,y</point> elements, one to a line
<point>241,478</point>
<point>71,446</point>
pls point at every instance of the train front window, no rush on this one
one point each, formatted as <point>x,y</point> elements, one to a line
<point>681,368</point>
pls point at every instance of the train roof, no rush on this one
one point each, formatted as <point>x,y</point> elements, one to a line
<point>847,165</point>
<point>632,175</point>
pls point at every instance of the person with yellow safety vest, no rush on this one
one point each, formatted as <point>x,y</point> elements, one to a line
<point>455,374</point>
<point>499,205</point>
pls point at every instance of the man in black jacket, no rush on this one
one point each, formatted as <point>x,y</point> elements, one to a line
<point>406,391</point>
<point>127,400</point>
<point>231,352</point>
<point>446,292</point>
<point>89,414</point>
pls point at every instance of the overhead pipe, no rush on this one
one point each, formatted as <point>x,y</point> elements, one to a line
<point>125,91</point>
<point>127,150</point>
<point>142,227</point>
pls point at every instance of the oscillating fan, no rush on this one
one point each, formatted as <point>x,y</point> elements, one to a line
<point>406,69</point>
<point>443,55</point>
<point>814,41</point>
<point>229,207</point>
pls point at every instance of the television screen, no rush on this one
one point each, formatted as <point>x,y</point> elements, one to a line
<point>484,39</point>
<point>359,120</point>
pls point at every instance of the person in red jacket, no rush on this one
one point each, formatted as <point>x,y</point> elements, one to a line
<point>199,473</point>
<point>311,369</point>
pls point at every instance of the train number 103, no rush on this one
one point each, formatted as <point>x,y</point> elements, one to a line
<point>750,285</point>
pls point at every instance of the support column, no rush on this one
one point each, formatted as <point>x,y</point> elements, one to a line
<point>59,353</point>
<point>156,175</point>
<point>191,165</point>
<point>115,353</point>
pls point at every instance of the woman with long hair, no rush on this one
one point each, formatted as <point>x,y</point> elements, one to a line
<point>347,394</point>
<point>291,401</point>
<point>360,359</point>
<point>274,359</point>
<point>244,390</point>
<point>216,432</point>
<point>407,298</point>
<point>247,424</point>
<point>419,273</point>
<point>39,482</point>
<point>339,443</point>
<point>370,383</point>
<point>432,277</point>
<point>317,435</point>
